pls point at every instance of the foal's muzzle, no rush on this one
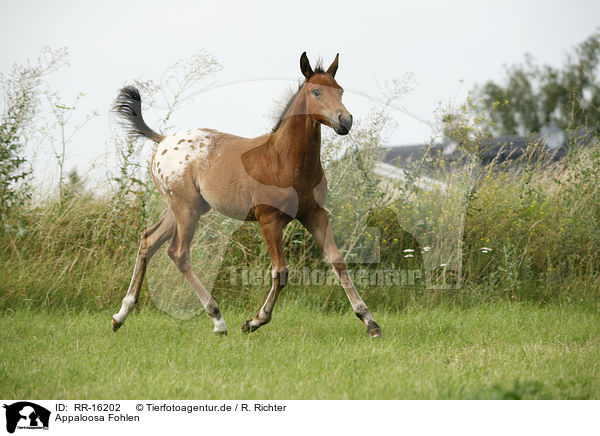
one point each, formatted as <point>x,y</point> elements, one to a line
<point>344,124</point>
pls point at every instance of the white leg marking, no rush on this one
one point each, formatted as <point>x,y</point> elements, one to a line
<point>126,307</point>
<point>220,325</point>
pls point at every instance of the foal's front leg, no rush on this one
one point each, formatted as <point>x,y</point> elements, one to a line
<point>317,223</point>
<point>272,221</point>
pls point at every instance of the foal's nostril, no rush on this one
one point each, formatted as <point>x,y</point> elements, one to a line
<point>345,122</point>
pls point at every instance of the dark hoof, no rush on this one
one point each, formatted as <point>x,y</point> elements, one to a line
<point>115,325</point>
<point>247,328</point>
<point>221,333</point>
<point>374,331</point>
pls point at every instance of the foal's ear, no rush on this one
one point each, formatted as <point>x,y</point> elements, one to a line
<point>305,66</point>
<point>333,67</point>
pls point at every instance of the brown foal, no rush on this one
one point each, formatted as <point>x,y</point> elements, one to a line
<point>272,179</point>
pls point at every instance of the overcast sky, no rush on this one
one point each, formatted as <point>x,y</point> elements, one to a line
<point>448,46</point>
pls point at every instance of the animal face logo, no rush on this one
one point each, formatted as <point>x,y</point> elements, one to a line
<point>24,414</point>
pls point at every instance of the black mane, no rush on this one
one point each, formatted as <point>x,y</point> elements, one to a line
<point>286,107</point>
<point>319,67</point>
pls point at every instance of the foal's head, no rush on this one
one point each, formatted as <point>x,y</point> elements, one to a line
<point>323,96</point>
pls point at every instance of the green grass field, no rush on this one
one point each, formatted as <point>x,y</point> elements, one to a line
<point>493,350</point>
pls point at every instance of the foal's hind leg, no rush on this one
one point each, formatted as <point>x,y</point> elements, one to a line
<point>152,238</point>
<point>317,223</point>
<point>186,217</point>
<point>272,222</point>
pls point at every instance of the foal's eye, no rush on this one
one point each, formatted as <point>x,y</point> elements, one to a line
<point>316,92</point>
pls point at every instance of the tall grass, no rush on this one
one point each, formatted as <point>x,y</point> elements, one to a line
<point>70,254</point>
<point>539,224</point>
<point>542,221</point>
<point>525,230</point>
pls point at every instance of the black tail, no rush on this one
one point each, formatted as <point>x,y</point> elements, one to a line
<point>128,105</point>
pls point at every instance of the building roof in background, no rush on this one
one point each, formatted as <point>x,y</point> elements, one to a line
<point>553,143</point>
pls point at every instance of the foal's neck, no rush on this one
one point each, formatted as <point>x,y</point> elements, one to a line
<point>299,138</point>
